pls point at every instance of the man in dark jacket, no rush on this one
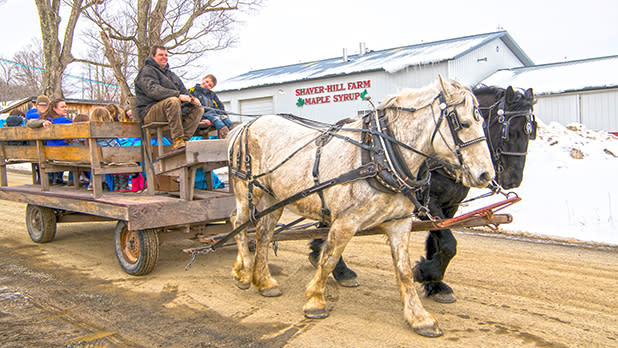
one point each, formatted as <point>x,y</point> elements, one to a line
<point>160,94</point>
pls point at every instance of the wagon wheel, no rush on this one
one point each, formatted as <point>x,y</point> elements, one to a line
<point>137,251</point>
<point>41,223</point>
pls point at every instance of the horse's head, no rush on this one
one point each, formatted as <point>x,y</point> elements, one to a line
<point>459,138</point>
<point>509,125</point>
<point>451,111</point>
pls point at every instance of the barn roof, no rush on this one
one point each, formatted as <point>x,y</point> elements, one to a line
<point>576,75</point>
<point>390,60</point>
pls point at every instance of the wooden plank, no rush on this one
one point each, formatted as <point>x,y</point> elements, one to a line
<point>27,153</point>
<point>95,159</point>
<point>149,165</point>
<point>3,176</point>
<point>67,153</point>
<point>80,130</point>
<point>66,202</point>
<point>203,151</point>
<point>57,131</point>
<point>80,217</point>
<point>74,153</point>
<point>157,215</point>
<point>115,130</point>
<point>121,154</point>
<point>124,169</point>
<point>43,174</point>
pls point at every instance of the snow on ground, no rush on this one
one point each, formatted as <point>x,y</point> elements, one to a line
<point>569,189</point>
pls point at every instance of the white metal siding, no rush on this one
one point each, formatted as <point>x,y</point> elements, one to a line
<point>475,66</point>
<point>596,110</point>
<point>563,109</point>
<point>257,106</point>
<point>600,110</point>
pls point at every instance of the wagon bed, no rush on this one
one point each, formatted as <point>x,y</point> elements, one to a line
<point>141,211</point>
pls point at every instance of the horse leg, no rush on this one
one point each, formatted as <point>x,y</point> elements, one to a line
<point>342,273</point>
<point>441,248</point>
<point>415,314</point>
<point>243,266</point>
<point>262,278</point>
<point>338,237</point>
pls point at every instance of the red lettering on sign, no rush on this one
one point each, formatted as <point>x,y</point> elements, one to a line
<point>346,97</point>
<point>335,88</point>
<point>309,90</point>
<point>317,100</point>
<point>359,84</point>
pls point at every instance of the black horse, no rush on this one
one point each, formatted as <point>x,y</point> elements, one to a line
<point>509,125</point>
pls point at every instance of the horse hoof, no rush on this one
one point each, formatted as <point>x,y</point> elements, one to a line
<point>241,285</point>
<point>429,331</point>
<point>443,298</point>
<point>316,313</point>
<point>271,292</point>
<point>313,260</point>
<point>348,283</point>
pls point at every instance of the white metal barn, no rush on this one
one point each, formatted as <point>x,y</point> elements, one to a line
<point>580,91</point>
<point>331,89</point>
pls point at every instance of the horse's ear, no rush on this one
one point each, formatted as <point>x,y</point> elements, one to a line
<point>529,94</point>
<point>510,94</point>
<point>445,86</point>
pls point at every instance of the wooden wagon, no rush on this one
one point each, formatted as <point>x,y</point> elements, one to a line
<point>140,216</point>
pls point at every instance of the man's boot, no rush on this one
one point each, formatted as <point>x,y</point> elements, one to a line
<point>178,143</point>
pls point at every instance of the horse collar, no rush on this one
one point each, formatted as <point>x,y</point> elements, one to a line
<point>393,174</point>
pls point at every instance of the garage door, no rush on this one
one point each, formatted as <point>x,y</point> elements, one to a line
<point>257,106</point>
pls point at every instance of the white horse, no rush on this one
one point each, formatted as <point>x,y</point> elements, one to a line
<point>282,156</point>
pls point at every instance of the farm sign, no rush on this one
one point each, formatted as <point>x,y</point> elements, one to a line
<point>334,93</point>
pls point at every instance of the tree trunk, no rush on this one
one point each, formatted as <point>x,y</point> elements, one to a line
<point>110,54</point>
<point>57,55</point>
<point>142,43</point>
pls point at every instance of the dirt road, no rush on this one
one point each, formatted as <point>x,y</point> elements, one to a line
<point>72,293</point>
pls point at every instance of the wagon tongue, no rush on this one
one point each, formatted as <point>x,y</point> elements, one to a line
<point>486,212</point>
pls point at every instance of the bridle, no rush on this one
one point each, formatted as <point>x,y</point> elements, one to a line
<point>455,125</point>
<point>503,121</point>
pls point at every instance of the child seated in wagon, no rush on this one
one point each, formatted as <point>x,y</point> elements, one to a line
<point>214,112</point>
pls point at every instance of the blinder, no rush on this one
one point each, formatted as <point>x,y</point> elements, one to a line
<point>529,127</point>
<point>455,125</point>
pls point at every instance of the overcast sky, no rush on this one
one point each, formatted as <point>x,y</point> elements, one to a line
<point>289,31</point>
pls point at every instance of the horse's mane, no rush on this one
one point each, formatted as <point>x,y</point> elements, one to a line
<point>495,91</point>
<point>418,97</point>
<point>498,92</point>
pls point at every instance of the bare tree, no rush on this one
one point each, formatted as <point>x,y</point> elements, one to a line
<point>22,75</point>
<point>30,68</point>
<point>188,28</point>
<point>58,55</point>
<point>7,70</point>
<point>100,83</point>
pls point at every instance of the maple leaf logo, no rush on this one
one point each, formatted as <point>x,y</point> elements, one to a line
<point>364,94</point>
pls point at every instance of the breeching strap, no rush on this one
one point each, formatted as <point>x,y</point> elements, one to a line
<point>363,172</point>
